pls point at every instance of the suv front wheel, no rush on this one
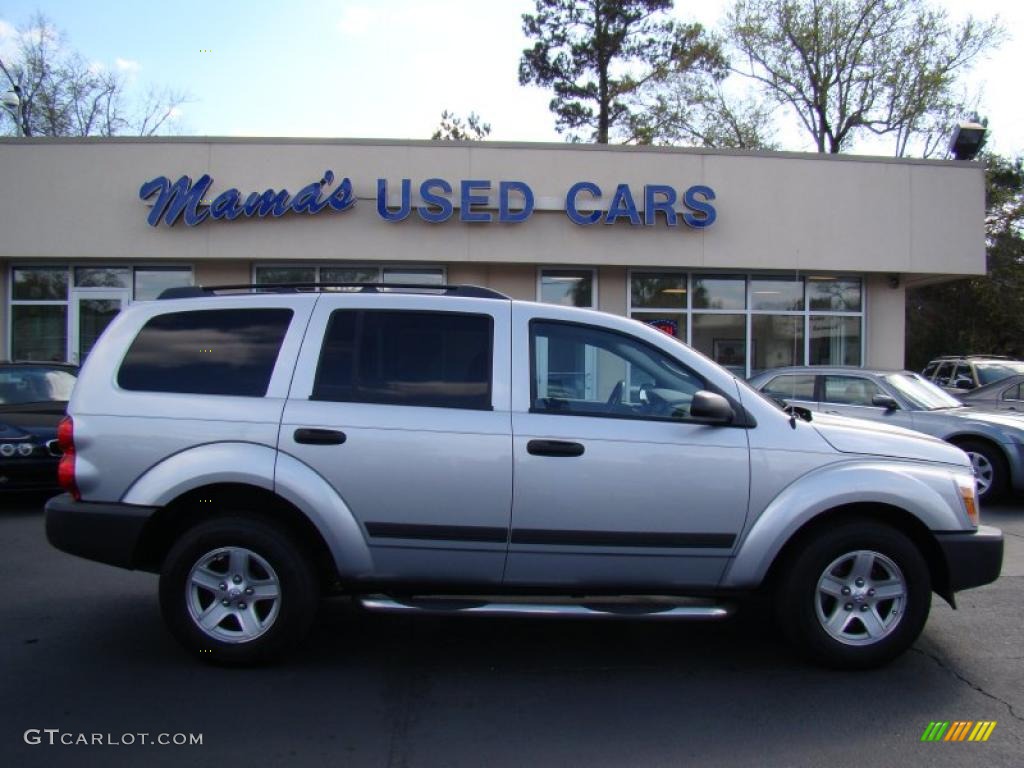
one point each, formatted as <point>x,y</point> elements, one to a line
<point>235,590</point>
<point>856,596</point>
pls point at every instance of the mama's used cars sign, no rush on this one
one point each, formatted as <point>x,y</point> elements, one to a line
<point>468,200</point>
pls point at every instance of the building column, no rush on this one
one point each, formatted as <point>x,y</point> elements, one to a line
<point>885,322</point>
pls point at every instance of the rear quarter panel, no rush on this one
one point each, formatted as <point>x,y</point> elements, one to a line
<point>122,435</point>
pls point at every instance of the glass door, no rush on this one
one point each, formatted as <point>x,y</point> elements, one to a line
<point>92,309</point>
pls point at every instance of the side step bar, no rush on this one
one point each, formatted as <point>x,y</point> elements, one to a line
<point>655,610</point>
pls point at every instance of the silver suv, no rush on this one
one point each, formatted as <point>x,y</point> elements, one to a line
<point>960,374</point>
<point>452,451</point>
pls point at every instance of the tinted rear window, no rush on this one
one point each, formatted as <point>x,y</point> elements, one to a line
<point>440,359</point>
<point>207,352</point>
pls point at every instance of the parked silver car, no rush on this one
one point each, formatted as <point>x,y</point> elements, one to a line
<point>1004,395</point>
<point>459,452</point>
<point>994,442</point>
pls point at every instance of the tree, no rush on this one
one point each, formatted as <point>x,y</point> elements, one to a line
<point>453,129</point>
<point>850,67</point>
<point>982,314</point>
<point>696,111</point>
<point>596,54</point>
<point>61,94</point>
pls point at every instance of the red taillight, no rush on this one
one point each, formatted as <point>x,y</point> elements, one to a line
<point>66,467</point>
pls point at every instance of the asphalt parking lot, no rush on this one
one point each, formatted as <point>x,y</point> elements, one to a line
<point>85,652</point>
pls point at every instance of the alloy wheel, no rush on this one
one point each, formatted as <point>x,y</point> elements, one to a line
<point>984,472</point>
<point>860,597</point>
<point>233,594</point>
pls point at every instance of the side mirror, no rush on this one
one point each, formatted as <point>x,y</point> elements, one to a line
<point>885,401</point>
<point>710,408</point>
<point>963,383</point>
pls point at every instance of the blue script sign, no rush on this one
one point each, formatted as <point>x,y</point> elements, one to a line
<point>184,197</point>
<point>439,201</point>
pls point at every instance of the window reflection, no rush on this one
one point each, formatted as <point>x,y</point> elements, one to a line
<point>40,284</point>
<point>777,295</point>
<point>568,287</point>
<point>103,277</point>
<point>719,293</point>
<point>838,295</point>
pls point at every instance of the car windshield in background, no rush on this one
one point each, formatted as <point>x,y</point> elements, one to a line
<point>992,372</point>
<point>921,393</point>
<point>30,384</point>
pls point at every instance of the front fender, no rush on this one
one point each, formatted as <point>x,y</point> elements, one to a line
<point>927,492</point>
<point>262,467</point>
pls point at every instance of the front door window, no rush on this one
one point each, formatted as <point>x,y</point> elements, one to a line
<point>91,312</point>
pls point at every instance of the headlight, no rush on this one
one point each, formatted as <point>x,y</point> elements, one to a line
<point>968,488</point>
<point>26,449</point>
<point>7,450</point>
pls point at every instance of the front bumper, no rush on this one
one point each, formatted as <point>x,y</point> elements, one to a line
<point>28,474</point>
<point>107,533</point>
<point>973,558</point>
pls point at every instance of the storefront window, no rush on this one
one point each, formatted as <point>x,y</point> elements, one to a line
<point>150,282</point>
<point>778,340</point>
<point>39,284</point>
<point>276,275</point>
<point>657,291</point>
<point>777,295</point>
<point>834,294</point>
<point>719,292</point>
<point>103,277</point>
<point>778,312</point>
<point>349,275</point>
<point>39,332</point>
<point>723,338</point>
<point>568,287</point>
<point>835,340</point>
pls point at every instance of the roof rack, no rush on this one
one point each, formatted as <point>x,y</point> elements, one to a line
<point>465,291</point>
<point>975,357</point>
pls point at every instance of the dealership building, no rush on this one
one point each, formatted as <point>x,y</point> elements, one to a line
<point>756,259</point>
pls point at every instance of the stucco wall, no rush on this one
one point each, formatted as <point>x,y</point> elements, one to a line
<point>79,199</point>
<point>219,272</point>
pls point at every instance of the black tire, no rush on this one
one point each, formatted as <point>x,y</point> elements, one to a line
<point>267,556</point>
<point>995,459</point>
<point>799,603</point>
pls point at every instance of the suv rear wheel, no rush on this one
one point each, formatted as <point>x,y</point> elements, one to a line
<point>237,591</point>
<point>856,596</point>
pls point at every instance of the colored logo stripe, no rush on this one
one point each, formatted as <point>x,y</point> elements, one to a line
<point>958,730</point>
<point>982,731</point>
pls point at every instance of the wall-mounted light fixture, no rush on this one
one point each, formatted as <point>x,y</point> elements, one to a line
<point>967,140</point>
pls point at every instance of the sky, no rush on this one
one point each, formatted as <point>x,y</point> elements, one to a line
<point>387,68</point>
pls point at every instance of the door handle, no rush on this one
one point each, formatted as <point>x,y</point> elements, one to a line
<point>554,448</point>
<point>319,436</point>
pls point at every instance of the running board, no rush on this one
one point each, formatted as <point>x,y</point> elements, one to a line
<point>675,609</point>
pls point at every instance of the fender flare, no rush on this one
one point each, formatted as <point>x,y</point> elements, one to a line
<point>263,467</point>
<point>926,492</point>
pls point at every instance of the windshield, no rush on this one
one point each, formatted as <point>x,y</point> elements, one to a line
<point>990,372</point>
<point>30,384</point>
<point>921,393</point>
